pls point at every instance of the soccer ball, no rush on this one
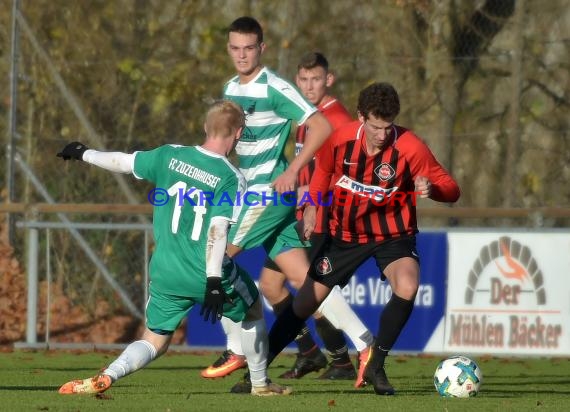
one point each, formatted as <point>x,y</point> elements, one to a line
<point>457,377</point>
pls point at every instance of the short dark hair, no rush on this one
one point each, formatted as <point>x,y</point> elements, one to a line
<point>312,60</point>
<point>247,25</point>
<point>379,99</point>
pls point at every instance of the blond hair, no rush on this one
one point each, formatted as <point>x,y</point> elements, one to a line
<point>224,118</point>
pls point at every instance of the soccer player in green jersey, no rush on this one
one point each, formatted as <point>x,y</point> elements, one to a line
<point>271,105</point>
<point>189,264</point>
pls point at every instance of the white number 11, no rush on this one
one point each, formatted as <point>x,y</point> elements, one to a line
<point>199,209</point>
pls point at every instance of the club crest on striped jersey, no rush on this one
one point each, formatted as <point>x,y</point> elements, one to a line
<point>385,172</point>
<point>323,266</point>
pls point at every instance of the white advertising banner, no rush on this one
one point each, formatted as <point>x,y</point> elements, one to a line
<point>508,293</point>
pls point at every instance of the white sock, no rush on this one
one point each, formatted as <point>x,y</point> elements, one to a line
<point>255,346</point>
<point>340,314</point>
<point>233,335</point>
<point>136,356</point>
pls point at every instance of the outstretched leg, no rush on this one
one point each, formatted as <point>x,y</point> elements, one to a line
<point>135,356</point>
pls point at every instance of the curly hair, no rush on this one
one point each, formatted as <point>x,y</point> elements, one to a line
<point>380,100</point>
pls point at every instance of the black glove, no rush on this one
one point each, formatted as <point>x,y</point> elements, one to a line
<point>73,150</point>
<point>214,299</point>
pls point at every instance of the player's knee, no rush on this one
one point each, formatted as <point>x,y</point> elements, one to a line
<point>297,282</point>
<point>269,289</point>
<point>160,340</point>
<point>406,287</point>
<point>404,278</point>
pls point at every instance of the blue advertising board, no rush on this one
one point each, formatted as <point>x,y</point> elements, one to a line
<point>367,295</point>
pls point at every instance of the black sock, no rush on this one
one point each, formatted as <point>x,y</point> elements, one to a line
<point>304,340</point>
<point>392,321</point>
<point>279,307</point>
<point>283,331</point>
<point>334,341</point>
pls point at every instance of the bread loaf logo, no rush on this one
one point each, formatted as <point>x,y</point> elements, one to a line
<point>517,272</point>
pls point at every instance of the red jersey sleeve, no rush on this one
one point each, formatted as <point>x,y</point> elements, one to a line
<point>423,163</point>
<point>324,162</point>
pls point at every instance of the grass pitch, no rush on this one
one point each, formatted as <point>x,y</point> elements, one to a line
<point>29,381</point>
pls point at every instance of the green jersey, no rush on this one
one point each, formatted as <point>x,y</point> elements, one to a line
<point>201,185</point>
<point>270,104</point>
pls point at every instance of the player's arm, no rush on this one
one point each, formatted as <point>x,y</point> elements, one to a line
<point>318,131</point>
<point>113,161</point>
<point>318,188</point>
<point>430,177</point>
<point>214,296</point>
<point>216,246</point>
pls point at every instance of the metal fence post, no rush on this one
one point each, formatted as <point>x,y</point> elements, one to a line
<point>32,314</point>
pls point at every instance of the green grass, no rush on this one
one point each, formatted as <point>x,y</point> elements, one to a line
<point>29,382</point>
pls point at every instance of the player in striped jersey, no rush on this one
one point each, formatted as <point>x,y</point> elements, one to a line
<point>377,169</point>
<point>271,105</point>
<point>314,79</point>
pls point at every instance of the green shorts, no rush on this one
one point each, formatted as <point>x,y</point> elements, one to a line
<point>165,311</point>
<point>267,224</point>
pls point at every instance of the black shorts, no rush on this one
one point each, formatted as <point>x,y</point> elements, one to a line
<point>336,261</point>
<point>318,240</point>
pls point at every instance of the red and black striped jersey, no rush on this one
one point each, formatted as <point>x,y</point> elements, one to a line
<point>373,196</point>
<point>337,115</point>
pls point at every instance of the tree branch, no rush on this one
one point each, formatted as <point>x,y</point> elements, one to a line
<point>472,39</point>
<point>559,100</point>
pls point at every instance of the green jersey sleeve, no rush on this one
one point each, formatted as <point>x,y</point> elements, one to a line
<point>146,163</point>
<point>288,102</point>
